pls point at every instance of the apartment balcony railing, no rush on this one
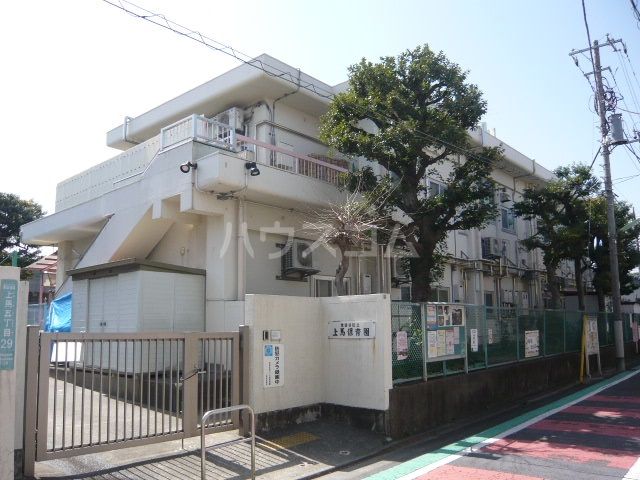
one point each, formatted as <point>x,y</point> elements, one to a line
<point>211,132</point>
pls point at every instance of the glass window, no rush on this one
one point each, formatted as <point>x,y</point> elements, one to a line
<point>435,188</point>
<point>439,294</point>
<point>508,219</point>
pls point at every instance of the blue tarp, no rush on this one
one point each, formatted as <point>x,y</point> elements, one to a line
<point>59,315</point>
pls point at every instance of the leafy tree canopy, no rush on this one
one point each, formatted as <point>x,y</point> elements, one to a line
<point>560,210</point>
<point>628,230</point>
<point>410,114</point>
<point>15,212</point>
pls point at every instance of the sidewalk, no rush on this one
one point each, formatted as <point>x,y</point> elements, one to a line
<point>300,451</point>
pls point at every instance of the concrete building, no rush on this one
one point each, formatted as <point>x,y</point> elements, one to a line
<point>206,203</point>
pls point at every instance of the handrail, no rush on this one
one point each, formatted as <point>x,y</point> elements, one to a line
<point>233,408</point>
<point>290,153</point>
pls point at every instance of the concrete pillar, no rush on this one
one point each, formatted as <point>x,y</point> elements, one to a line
<point>65,262</point>
<point>222,268</point>
<point>12,320</point>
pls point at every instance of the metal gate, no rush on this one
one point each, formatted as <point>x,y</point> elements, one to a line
<point>88,392</point>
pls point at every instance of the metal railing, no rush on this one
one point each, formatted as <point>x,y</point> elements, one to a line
<point>214,133</point>
<point>96,392</point>
<point>495,336</point>
<point>218,411</point>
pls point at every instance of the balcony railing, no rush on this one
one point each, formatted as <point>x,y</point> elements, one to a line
<point>212,132</point>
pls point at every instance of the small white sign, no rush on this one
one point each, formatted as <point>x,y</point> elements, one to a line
<point>531,343</point>
<point>474,339</point>
<point>432,342</point>
<point>490,336</point>
<point>273,365</point>
<point>352,329</point>
<point>402,345</point>
<point>593,342</point>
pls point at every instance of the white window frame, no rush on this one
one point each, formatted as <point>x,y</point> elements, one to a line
<point>505,213</point>
<point>331,280</point>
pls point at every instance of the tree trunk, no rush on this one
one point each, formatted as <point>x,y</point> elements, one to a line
<point>343,268</point>
<point>577,265</point>
<point>554,288</point>
<point>420,270</point>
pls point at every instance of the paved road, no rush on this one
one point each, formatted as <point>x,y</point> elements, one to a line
<point>593,434</point>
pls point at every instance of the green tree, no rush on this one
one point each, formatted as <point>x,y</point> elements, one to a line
<point>560,210</point>
<point>15,212</point>
<point>411,114</point>
<point>628,254</point>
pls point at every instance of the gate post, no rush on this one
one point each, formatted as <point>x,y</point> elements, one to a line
<point>243,377</point>
<point>31,399</point>
<point>190,385</point>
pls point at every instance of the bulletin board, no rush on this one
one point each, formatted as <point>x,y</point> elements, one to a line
<point>446,335</point>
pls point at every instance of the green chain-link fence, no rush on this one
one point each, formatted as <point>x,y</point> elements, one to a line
<point>494,336</point>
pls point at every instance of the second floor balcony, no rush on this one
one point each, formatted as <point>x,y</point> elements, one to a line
<point>203,141</point>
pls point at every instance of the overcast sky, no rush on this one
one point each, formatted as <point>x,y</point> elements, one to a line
<point>73,69</point>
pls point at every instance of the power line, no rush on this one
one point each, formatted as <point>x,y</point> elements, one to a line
<point>162,21</point>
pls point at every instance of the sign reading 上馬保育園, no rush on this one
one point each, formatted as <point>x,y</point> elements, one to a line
<point>273,365</point>
<point>8,312</point>
<point>352,329</point>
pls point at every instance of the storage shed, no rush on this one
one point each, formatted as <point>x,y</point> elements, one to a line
<point>138,295</point>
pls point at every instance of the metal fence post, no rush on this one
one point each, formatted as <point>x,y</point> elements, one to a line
<point>564,331</point>
<point>243,377</point>
<point>43,393</point>
<point>486,336</point>
<point>544,333</point>
<point>190,385</point>
<point>517,336</point>
<point>31,400</point>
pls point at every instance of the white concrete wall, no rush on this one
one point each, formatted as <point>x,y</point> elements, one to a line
<point>358,372</point>
<point>355,373</point>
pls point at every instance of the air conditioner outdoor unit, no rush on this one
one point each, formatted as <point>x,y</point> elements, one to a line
<point>491,248</point>
<point>297,260</point>
<point>398,273</point>
<point>234,117</point>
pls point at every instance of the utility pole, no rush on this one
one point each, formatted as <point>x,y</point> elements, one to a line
<point>608,188</point>
<point>611,218</point>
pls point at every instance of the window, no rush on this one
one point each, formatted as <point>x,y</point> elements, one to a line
<point>434,188</point>
<point>323,287</point>
<point>488,299</point>
<point>439,294</point>
<point>508,220</point>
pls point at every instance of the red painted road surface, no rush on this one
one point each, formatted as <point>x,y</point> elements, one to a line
<point>595,439</point>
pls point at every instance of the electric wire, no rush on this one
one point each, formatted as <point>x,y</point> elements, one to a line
<point>162,21</point>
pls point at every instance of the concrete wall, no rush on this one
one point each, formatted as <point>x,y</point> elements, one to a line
<point>348,372</point>
<point>421,406</point>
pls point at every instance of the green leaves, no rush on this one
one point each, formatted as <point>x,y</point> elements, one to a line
<point>15,212</point>
<point>411,114</point>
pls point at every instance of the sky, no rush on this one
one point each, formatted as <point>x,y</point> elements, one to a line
<point>73,69</point>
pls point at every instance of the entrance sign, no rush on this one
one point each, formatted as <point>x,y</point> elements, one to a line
<point>352,329</point>
<point>8,313</point>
